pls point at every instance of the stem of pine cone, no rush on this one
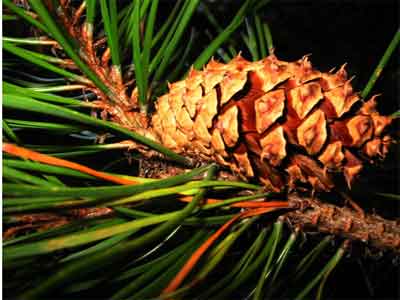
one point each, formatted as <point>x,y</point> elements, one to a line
<point>315,215</point>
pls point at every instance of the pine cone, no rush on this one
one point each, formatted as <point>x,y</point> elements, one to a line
<point>280,123</point>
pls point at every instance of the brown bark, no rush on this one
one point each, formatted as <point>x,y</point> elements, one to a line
<point>345,222</point>
<point>46,221</point>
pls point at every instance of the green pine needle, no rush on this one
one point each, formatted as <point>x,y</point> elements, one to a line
<point>382,63</point>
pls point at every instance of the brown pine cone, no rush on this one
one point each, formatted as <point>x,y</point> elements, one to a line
<point>281,123</point>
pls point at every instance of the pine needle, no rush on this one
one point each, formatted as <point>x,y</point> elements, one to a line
<point>38,157</point>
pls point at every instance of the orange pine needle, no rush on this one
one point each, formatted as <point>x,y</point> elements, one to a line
<point>180,277</point>
<point>47,159</point>
<point>174,284</point>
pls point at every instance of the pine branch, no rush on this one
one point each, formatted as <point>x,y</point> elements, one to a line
<point>345,222</point>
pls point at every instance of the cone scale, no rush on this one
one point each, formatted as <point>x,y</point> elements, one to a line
<point>279,123</point>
